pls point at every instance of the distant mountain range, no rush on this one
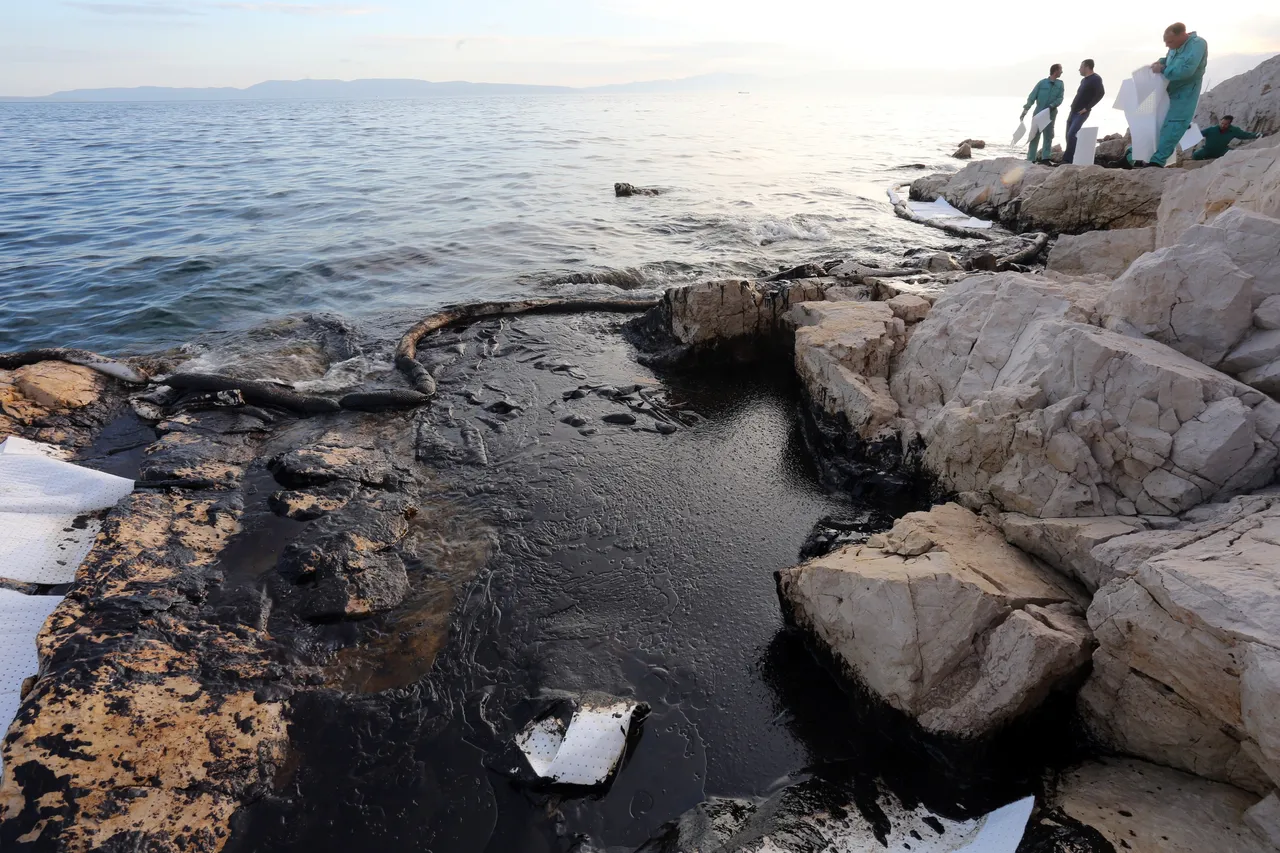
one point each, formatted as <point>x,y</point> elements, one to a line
<point>960,82</point>
<point>273,90</point>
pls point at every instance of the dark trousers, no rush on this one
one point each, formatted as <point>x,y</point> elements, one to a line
<point>1073,127</point>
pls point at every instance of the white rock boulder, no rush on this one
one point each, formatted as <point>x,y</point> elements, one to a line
<point>944,621</point>
<point>1192,297</point>
<point>842,354</point>
<point>1252,98</point>
<point>1248,178</point>
<point>714,312</point>
<point>1092,198</point>
<point>1143,808</point>
<point>1107,253</point>
<point>1054,418</point>
<point>1187,671</point>
<point>984,188</point>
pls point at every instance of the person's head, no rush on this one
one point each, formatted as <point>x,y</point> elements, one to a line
<point>1086,68</point>
<point>1225,124</point>
<point>1055,71</point>
<point>1175,36</point>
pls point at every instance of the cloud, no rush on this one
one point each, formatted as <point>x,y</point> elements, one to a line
<point>159,9</point>
<point>297,8</point>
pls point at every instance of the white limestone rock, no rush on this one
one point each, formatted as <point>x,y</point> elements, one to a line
<point>1053,418</point>
<point>714,312</point>
<point>1247,178</point>
<point>842,353</point>
<point>1267,314</point>
<point>988,188</point>
<point>1144,808</point>
<point>944,620</point>
<point>1187,670</point>
<point>1067,544</point>
<point>1253,98</point>
<point>909,308</point>
<point>1264,819</point>
<point>1193,298</point>
<point>1100,252</point>
<point>1092,198</point>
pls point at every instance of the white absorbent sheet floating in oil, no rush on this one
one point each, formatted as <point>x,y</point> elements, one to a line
<point>587,751</point>
<point>21,618</point>
<point>44,536</point>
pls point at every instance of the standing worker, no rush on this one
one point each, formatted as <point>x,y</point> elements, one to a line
<point>1183,68</point>
<point>1046,95</point>
<point>1088,96</point>
<point>1218,138</point>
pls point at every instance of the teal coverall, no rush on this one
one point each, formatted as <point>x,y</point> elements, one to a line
<point>1047,94</point>
<point>1184,69</point>
<point>1217,141</point>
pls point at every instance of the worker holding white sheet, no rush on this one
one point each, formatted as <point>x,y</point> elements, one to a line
<point>1047,95</point>
<point>1183,70</point>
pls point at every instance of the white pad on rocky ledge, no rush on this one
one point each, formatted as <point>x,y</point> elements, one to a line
<point>588,752</point>
<point>941,211</point>
<point>21,618</point>
<point>43,538</point>
<point>921,831</point>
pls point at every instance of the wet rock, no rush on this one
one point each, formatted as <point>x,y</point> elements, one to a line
<point>574,420</point>
<point>929,188</point>
<point>801,271</point>
<point>344,563</point>
<point>975,144</point>
<point>1144,807</point>
<point>59,386</point>
<point>941,262</point>
<point>103,749</point>
<point>308,505</point>
<point>719,312</point>
<point>201,450</point>
<point>619,418</point>
<point>622,190</point>
<point>1106,252</point>
<point>964,152</point>
<point>666,428</point>
<point>503,407</point>
<point>943,620</point>
<point>1092,198</point>
<point>329,460</point>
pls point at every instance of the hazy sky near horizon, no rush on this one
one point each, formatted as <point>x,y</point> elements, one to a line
<point>51,45</point>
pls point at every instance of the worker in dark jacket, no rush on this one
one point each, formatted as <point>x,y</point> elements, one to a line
<point>1217,139</point>
<point>1088,96</point>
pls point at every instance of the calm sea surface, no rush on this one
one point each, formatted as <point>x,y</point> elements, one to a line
<point>127,227</point>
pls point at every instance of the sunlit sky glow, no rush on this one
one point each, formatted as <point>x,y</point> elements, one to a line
<point>50,45</point>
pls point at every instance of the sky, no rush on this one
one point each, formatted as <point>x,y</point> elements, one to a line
<point>54,45</point>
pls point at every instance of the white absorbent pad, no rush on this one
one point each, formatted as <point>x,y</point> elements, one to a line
<point>1019,133</point>
<point>1193,137</point>
<point>21,618</point>
<point>941,211</point>
<point>1041,119</point>
<point>1086,146</point>
<point>43,536</point>
<point>587,752</point>
<point>1145,102</point>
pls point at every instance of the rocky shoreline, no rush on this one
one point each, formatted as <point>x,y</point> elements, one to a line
<point>1099,441</point>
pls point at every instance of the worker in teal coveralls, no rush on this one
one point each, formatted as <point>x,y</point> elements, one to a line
<point>1217,139</point>
<point>1046,95</point>
<point>1183,68</point>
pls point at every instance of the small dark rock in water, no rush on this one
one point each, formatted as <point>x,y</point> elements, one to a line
<point>502,407</point>
<point>622,418</point>
<point>575,394</point>
<point>666,428</point>
<point>986,262</point>
<point>974,143</point>
<point>802,271</point>
<point>622,190</point>
<point>574,420</point>
<point>589,431</point>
